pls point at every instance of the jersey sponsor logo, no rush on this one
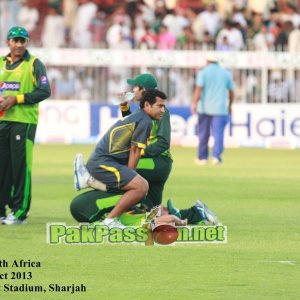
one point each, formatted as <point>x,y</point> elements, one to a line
<point>44,80</point>
<point>10,86</point>
<point>2,86</point>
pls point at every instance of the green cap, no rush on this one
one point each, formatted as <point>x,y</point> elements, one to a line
<point>147,81</point>
<point>16,32</point>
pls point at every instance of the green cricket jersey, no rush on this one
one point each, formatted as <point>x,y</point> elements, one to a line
<point>27,80</point>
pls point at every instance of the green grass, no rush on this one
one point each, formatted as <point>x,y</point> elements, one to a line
<point>255,193</point>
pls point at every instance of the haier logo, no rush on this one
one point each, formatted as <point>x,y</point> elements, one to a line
<point>250,123</point>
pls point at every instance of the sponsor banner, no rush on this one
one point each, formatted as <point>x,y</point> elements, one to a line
<point>252,125</point>
<point>63,121</point>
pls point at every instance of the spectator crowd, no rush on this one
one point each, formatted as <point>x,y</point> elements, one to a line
<point>158,24</point>
<point>222,25</point>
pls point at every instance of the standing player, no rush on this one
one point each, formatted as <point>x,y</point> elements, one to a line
<point>24,84</point>
<point>212,100</point>
<point>112,165</point>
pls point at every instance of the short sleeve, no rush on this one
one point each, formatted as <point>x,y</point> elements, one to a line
<point>200,79</point>
<point>141,133</point>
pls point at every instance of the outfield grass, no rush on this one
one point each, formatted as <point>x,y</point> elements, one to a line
<point>255,193</point>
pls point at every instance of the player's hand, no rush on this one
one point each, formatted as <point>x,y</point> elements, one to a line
<point>193,108</point>
<point>6,102</point>
<point>121,99</point>
<point>184,222</point>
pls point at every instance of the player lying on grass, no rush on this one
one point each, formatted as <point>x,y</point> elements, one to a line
<point>92,206</point>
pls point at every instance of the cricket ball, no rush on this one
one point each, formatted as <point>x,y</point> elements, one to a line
<point>165,234</point>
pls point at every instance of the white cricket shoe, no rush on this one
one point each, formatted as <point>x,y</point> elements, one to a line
<point>11,219</point>
<point>113,223</point>
<point>201,162</point>
<point>216,161</point>
<point>81,174</point>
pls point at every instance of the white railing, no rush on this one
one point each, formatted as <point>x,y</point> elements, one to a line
<point>98,74</point>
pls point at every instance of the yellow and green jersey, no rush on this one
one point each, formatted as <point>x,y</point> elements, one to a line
<point>27,80</point>
<point>160,136</point>
<point>131,130</point>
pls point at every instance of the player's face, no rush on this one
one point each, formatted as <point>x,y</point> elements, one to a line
<point>156,110</point>
<point>138,91</point>
<point>17,47</point>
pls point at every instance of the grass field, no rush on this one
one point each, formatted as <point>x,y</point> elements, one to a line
<point>256,193</point>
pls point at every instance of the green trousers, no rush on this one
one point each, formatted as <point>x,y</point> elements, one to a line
<point>91,206</point>
<point>16,146</point>
<point>156,171</point>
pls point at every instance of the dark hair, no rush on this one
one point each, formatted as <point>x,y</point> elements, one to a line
<point>150,96</point>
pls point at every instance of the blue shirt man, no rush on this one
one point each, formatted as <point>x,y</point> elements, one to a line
<point>214,87</point>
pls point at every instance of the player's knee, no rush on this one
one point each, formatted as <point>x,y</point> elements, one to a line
<point>143,186</point>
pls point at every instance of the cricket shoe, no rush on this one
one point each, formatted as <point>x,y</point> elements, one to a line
<point>11,219</point>
<point>113,223</point>
<point>2,219</point>
<point>209,215</point>
<point>201,162</point>
<point>216,161</point>
<point>81,174</point>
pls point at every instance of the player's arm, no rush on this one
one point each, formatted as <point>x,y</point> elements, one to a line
<point>163,138</point>
<point>138,142</point>
<point>42,90</point>
<point>196,98</point>
<point>231,98</point>
<point>166,219</point>
<point>134,156</point>
<point>230,87</point>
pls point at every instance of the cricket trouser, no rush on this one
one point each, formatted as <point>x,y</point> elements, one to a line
<point>91,206</point>
<point>211,124</point>
<point>16,146</point>
<point>156,171</point>
<point>191,214</point>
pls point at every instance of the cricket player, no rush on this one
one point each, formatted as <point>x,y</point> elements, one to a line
<point>92,206</point>
<point>23,84</point>
<point>156,162</point>
<point>112,165</point>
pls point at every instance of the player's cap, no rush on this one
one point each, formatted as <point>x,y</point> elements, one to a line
<point>16,32</point>
<point>212,57</point>
<point>146,80</point>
